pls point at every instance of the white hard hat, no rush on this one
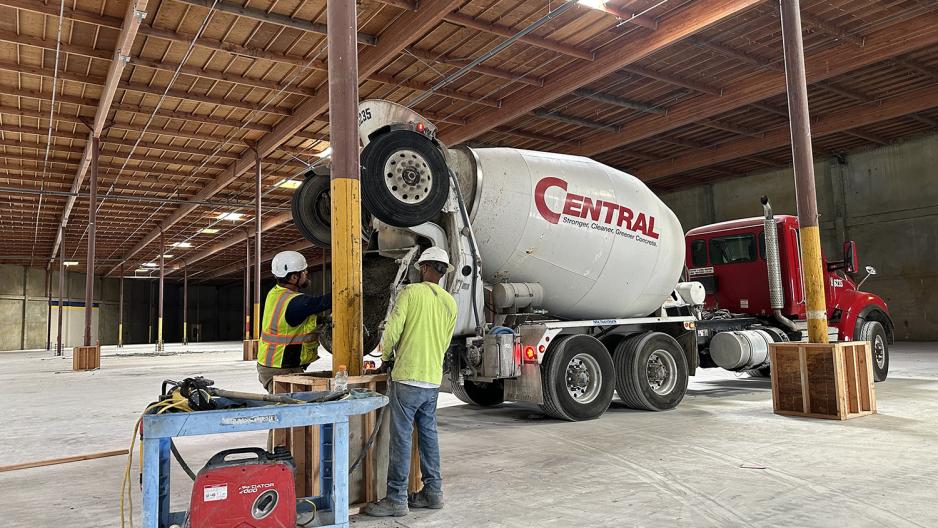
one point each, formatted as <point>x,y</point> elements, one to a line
<point>287,262</point>
<point>435,254</point>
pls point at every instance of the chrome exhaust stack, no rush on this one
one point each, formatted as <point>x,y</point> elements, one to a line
<point>776,293</point>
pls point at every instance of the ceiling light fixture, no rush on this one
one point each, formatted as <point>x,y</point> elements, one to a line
<point>209,230</point>
<point>593,4</point>
<point>287,183</point>
<point>230,216</point>
<point>182,244</point>
<point>324,154</point>
<point>71,262</point>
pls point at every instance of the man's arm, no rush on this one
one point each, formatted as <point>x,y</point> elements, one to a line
<point>303,306</point>
<point>395,325</point>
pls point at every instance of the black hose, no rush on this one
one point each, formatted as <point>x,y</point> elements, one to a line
<point>370,442</point>
<point>178,457</point>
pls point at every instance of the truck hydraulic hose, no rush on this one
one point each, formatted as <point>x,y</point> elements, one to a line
<point>773,263</point>
<point>477,259</point>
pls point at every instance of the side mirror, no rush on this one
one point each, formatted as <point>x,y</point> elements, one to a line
<point>870,271</point>
<point>851,260</point>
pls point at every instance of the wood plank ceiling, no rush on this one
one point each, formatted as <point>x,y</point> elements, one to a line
<point>677,92</point>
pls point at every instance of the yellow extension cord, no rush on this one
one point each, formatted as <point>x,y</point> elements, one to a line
<point>178,402</point>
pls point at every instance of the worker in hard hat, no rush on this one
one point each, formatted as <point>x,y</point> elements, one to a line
<point>289,339</point>
<point>416,337</point>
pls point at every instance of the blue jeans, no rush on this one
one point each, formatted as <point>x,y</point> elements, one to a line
<point>411,404</point>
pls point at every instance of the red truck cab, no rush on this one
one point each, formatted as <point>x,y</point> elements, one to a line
<point>729,258</point>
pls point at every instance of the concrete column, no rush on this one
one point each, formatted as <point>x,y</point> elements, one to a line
<point>49,307</point>
<point>839,170</point>
<point>247,289</point>
<point>709,207</point>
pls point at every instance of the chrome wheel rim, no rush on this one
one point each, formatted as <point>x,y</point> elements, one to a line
<point>408,177</point>
<point>583,378</point>
<point>661,370</point>
<point>879,351</point>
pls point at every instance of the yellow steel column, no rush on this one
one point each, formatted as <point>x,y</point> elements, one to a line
<point>803,158</point>
<point>345,187</point>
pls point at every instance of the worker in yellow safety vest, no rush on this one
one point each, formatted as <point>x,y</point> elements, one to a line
<point>289,338</point>
<point>416,337</point>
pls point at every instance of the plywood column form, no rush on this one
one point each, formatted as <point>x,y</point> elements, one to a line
<point>159,316</point>
<point>346,191</point>
<point>120,311</point>
<point>803,158</point>
<point>257,246</point>
<point>58,345</point>
<point>92,217</point>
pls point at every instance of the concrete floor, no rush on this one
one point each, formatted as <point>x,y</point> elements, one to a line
<point>720,459</point>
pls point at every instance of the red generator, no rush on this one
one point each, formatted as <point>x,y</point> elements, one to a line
<point>245,492</point>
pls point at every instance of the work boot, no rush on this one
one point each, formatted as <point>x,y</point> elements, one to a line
<point>425,499</point>
<point>385,508</point>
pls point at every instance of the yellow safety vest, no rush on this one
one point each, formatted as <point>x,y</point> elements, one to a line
<point>277,333</point>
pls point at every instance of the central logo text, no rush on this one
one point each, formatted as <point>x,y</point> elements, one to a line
<point>578,206</point>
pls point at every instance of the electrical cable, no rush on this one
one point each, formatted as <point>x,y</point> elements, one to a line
<point>45,163</point>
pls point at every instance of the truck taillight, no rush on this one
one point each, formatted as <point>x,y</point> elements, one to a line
<point>530,355</point>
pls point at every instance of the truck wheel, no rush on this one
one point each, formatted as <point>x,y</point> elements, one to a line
<point>577,379</point>
<point>312,211</point>
<point>480,394</point>
<point>651,372</point>
<point>405,181</point>
<point>874,332</point>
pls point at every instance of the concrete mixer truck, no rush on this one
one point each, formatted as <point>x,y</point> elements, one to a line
<point>568,274</point>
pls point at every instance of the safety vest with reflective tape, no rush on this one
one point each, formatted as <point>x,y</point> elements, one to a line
<point>277,333</point>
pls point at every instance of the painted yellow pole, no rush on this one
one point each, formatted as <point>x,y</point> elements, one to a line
<point>257,245</point>
<point>345,187</point>
<point>803,157</point>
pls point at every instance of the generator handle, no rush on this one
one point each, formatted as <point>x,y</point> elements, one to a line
<point>221,456</point>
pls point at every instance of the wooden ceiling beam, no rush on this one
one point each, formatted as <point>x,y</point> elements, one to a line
<point>42,132</point>
<point>925,119</point>
<point>533,136</point>
<point>844,92</point>
<point>486,70</point>
<point>884,44</point>
<point>629,16</point>
<point>697,17</point>
<point>192,117</point>
<point>673,79</point>
<point>843,120</point>
<point>726,126</point>
<point>620,102</point>
<point>277,19</point>
<point>44,115</point>
<point>573,120</point>
<point>397,36</point>
<point>171,133</point>
<point>734,53</point>
<point>866,136</point>
<point>505,31</point>
<point>820,24</point>
<point>917,66</point>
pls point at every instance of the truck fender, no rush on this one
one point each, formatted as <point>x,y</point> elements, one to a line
<point>873,312</point>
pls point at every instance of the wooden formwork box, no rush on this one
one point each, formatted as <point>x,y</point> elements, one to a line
<point>86,357</point>
<point>823,380</point>
<point>369,482</point>
<point>249,350</point>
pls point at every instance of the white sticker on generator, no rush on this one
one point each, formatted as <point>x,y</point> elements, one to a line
<point>215,493</point>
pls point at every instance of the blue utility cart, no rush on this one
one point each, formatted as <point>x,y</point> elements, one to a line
<point>333,416</point>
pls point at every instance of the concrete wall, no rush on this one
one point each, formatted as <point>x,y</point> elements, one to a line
<point>885,198</point>
<point>215,311</point>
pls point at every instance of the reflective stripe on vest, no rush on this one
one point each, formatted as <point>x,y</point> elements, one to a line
<point>275,339</point>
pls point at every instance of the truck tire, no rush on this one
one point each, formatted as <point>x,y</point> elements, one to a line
<point>577,379</point>
<point>651,372</point>
<point>874,332</point>
<point>480,394</point>
<point>312,211</point>
<point>405,180</point>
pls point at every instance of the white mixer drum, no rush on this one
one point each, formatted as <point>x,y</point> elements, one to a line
<point>597,239</point>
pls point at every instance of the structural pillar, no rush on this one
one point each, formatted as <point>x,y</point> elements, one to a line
<point>185,304</point>
<point>803,158</point>
<point>247,289</point>
<point>49,307</point>
<point>58,346</point>
<point>150,313</point>
<point>120,311</point>
<point>90,261</point>
<point>257,246</point>
<point>345,186</point>
<point>159,316</point>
